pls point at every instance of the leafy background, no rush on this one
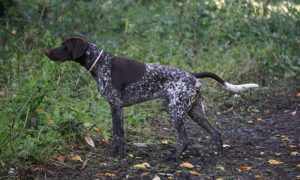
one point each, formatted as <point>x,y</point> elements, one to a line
<point>45,105</point>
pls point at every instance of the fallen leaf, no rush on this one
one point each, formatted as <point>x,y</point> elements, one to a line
<point>298,177</point>
<point>293,113</point>
<point>295,153</point>
<point>105,140</point>
<point>89,140</point>
<point>298,166</point>
<point>259,177</point>
<point>110,174</point>
<point>267,111</point>
<point>74,157</point>
<point>97,129</point>
<point>167,174</point>
<point>219,178</point>
<point>298,94</point>
<point>142,166</point>
<point>140,144</point>
<point>226,145</point>
<point>156,177</point>
<point>39,110</point>
<point>245,168</point>
<point>145,174</point>
<point>60,158</point>
<point>195,173</point>
<point>250,122</point>
<point>260,120</point>
<point>49,121</point>
<point>274,162</point>
<point>292,146</point>
<point>220,167</point>
<point>186,165</point>
<point>130,155</point>
<point>14,32</point>
<point>164,142</point>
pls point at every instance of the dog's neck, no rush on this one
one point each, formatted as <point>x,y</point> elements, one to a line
<point>92,58</point>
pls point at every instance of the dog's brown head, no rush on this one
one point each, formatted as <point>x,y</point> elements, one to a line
<point>71,49</point>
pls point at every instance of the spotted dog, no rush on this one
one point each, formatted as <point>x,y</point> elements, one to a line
<point>124,82</point>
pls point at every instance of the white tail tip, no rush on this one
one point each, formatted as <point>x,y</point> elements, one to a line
<point>240,87</point>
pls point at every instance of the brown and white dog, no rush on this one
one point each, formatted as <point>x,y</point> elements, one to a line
<point>124,82</point>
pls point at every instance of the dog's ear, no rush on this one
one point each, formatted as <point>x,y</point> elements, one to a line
<point>76,46</point>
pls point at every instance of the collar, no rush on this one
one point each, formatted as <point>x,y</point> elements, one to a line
<point>91,52</point>
<point>96,60</point>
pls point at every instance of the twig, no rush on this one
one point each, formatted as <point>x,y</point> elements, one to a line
<point>84,164</point>
<point>61,163</point>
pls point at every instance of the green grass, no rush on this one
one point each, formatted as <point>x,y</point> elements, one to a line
<point>40,99</point>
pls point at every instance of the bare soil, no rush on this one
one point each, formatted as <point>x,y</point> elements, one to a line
<point>253,140</point>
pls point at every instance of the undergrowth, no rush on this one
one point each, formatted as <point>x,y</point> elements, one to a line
<point>45,105</point>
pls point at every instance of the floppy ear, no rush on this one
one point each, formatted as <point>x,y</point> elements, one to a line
<point>76,46</point>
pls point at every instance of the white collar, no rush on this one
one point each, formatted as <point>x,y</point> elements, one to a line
<point>96,60</point>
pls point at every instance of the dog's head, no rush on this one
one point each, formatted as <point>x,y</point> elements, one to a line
<point>71,49</point>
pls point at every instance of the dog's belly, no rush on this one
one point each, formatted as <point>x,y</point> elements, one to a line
<point>142,91</point>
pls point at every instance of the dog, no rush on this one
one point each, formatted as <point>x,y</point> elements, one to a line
<point>124,82</point>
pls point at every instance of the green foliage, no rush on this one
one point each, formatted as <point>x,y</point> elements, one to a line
<point>43,104</point>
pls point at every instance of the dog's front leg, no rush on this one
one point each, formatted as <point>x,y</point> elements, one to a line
<point>118,131</point>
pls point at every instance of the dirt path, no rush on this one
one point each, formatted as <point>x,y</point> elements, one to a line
<point>263,145</point>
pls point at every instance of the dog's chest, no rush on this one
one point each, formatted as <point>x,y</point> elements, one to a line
<point>104,82</point>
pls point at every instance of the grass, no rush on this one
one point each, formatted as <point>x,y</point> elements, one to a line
<point>46,105</point>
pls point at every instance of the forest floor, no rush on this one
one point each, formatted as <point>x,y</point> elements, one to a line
<point>262,145</point>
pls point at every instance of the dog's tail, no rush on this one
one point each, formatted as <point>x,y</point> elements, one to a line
<point>226,85</point>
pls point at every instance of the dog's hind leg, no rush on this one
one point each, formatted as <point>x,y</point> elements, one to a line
<point>177,117</point>
<point>198,115</point>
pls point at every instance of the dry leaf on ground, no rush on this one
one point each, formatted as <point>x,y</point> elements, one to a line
<point>60,158</point>
<point>186,165</point>
<point>156,178</point>
<point>164,142</point>
<point>145,174</point>
<point>89,140</point>
<point>274,162</point>
<point>258,177</point>
<point>142,166</point>
<point>110,174</point>
<point>74,157</point>
<point>130,155</point>
<point>195,173</point>
<point>245,168</point>
<point>220,167</point>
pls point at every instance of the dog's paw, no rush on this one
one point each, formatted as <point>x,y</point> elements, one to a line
<point>118,148</point>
